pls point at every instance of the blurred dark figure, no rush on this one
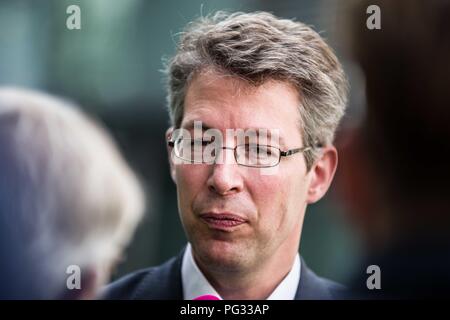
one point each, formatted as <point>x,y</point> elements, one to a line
<point>13,279</point>
<point>395,167</point>
<point>69,203</point>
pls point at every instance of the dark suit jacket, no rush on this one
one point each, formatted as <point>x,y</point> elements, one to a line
<point>164,283</point>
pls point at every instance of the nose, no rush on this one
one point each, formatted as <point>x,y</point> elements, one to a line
<point>225,178</point>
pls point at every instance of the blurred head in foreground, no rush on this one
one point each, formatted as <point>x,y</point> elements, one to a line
<point>68,200</point>
<point>396,167</point>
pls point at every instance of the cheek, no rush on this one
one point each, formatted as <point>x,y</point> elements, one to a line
<point>281,200</point>
<point>296,194</point>
<point>269,194</point>
<point>266,191</point>
<point>189,180</point>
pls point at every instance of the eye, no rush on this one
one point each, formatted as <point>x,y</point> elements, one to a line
<point>264,150</point>
<point>202,142</point>
<point>255,150</point>
<point>259,149</point>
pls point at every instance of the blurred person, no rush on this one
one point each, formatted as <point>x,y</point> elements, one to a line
<point>235,72</point>
<point>68,199</point>
<point>395,171</point>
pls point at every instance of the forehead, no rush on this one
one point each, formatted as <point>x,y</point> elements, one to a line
<point>226,102</point>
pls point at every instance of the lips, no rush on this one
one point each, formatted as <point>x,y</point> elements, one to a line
<point>222,221</point>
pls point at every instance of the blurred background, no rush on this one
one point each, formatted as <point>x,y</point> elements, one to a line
<point>111,68</point>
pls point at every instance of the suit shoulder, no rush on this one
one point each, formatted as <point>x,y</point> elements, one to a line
<point>126,287</point>
<point>336,290</point>
<point>162,282</point>
<point>314,287</point>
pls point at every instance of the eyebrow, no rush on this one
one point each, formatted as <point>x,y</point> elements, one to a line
<point>190,125</point>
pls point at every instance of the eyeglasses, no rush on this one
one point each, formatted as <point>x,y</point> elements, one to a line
<point>249,155</point>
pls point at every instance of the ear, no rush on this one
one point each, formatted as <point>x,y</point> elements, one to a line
<point>169,133</point>
<point>322,173</point>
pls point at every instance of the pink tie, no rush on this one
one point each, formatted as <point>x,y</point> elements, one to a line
<point>207,297</point>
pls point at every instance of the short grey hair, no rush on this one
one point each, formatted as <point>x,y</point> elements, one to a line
<point>64,188</point>
<point>257,47</point>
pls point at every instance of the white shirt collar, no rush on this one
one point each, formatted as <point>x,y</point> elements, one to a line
<point>195,284</point>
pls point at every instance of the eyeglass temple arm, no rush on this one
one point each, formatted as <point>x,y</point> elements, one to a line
<point>293,151</point>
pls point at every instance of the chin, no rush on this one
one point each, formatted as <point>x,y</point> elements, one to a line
<point>222,254</point>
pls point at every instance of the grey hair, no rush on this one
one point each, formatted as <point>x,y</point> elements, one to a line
<point>257,47</point>
<point>64,188</point>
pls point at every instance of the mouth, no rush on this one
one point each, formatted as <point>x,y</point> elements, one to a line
<point>222,221</point>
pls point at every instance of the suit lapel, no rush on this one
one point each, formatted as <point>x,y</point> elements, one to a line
<point>310,286</point>
<point>163,282</point>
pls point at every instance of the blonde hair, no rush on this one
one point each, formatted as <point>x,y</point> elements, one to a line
<point>256,47</point>
<point>75,199</point>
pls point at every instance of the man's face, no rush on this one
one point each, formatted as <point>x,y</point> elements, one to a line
<point>270,208</point>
